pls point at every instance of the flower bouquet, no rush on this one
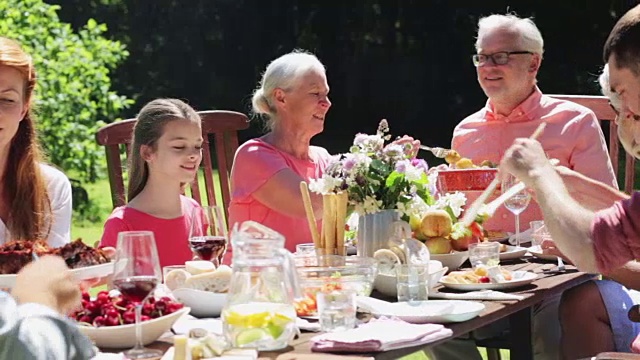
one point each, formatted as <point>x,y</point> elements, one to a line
<point>385,183</point>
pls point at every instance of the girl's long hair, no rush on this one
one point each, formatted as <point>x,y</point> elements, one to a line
<point>25,189</point>
<point>148,129</point>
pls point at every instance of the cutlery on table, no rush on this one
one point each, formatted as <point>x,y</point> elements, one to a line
<point>558,270</point>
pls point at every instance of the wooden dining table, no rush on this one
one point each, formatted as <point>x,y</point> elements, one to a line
<point>519,314</point>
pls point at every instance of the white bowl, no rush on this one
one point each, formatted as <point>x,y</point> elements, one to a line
<point>202,303</point>
<point>452,260</point>
<point>386,283</point>
<point>124,336</point>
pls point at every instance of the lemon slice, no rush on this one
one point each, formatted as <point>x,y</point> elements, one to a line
<point>400,253</point>
<point>387,260</point>
<point>249,336</point>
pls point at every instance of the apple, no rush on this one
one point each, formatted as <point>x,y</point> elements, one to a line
<point>438,245</point>
<point>462,244</point>
<point>436,223</point>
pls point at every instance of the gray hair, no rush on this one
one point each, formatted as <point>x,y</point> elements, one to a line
<point>282,73</point>
<point>530,36</point>
<point>605,87</point>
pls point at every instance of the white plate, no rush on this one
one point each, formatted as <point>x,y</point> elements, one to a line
<point>83,273</point>
<point>537,252</point>
<point>202,303</point>
<point>520,278</point>
<point>513,252</point>
<point>433,311</point>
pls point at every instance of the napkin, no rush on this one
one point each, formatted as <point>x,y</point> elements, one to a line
<point>303,324</point>
<point>375,336</point>
<point>525,237</point>
<point>476,295</point>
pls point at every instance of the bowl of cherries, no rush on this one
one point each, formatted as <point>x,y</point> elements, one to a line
<point>109,319</point>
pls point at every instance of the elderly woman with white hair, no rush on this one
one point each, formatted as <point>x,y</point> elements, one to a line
<point>293,96</point>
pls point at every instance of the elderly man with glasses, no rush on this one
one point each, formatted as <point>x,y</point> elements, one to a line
<point>509,55</point>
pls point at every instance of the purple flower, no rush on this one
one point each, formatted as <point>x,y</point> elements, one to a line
<point>420,164</point>
<point>401,166</point>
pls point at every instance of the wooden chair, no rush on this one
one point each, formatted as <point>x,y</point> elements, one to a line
<point>600,106</point>
<point>605,114</point>
<point>220,126</point>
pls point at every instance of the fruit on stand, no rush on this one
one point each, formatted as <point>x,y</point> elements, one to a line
<point>435,223</point>
<point>439,245</point>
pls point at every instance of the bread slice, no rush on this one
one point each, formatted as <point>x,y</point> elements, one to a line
<point>217,281</point>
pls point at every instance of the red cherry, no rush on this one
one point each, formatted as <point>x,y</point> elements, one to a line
<point>145,318</point>
<point>129,317</point>
<point>160,305</point>
<point>93,307</point>
<point>98,321</point>
<point>147,309</point>
<point>151,300</point>
<point>85,319</point>
<point>86,296</point>
<point>112,313</point>
<point>112,322</point>
<point>484,279</point>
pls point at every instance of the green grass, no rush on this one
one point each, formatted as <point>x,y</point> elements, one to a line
<point>90,232</point>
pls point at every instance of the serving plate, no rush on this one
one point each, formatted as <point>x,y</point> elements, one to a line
<point>513,252</point>
<point>430,311</point>
<point>83,273</point>
<point>520,278</point>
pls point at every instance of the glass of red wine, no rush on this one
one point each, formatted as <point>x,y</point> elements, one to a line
<point>136,274</point>
<point>208,236</point>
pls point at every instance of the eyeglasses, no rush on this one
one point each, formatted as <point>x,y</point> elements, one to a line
<point>615,110</point>
<point>499,58</point>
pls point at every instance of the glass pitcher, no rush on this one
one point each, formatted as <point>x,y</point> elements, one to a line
<point>260,311</point>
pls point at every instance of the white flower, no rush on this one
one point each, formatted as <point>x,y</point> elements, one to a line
<point>371,205</point>
<point>413,173</point>
<point>369,143</point>
<point>326,184</point>
<point>415,207</point>
<point>454,200</point>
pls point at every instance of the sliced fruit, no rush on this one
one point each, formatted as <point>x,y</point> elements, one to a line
<point>400,253</point>
<point>249,336</point>
<point>387,260</point>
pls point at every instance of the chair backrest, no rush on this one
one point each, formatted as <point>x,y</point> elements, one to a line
<point>223,126</point>
<point>600,106</point>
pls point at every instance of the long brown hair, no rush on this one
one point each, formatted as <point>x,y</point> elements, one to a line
<point>148,129</point>
<point>25,189</point>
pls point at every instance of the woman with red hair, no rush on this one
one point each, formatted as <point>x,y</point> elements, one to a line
<point>35,198</point>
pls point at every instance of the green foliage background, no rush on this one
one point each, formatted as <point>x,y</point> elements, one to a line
<point>73,96</point>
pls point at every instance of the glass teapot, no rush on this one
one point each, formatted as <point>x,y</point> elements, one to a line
<point>260,310</point>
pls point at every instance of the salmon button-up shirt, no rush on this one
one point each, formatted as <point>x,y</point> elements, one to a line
<point>572,135</point>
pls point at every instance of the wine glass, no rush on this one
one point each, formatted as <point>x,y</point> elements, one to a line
<point>136,274</point>
<point>208,236</point>
<point>517,203</point>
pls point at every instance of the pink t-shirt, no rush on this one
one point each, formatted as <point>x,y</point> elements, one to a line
<point>572,135</point>
<point>255,163</point>
<point>171,235</point>
<point>616,234</point>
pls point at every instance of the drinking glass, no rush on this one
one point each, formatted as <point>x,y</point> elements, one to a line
<point>484,253</point>
<point>539,232</point>
<point>336,310</point>
<point>517,203</point>
<point>136,274</point>
<point>412,282</point>
<point>208,237</point>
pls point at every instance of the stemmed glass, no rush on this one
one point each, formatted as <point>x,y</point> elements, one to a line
<point>136,274</point>
<point>208,236</point>
<point>517,203</point>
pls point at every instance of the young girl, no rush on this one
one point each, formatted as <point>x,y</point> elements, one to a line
<point>166,151</point>
<point>35,199</point>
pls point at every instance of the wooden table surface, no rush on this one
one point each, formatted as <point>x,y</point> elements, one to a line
<point>519,312</point>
